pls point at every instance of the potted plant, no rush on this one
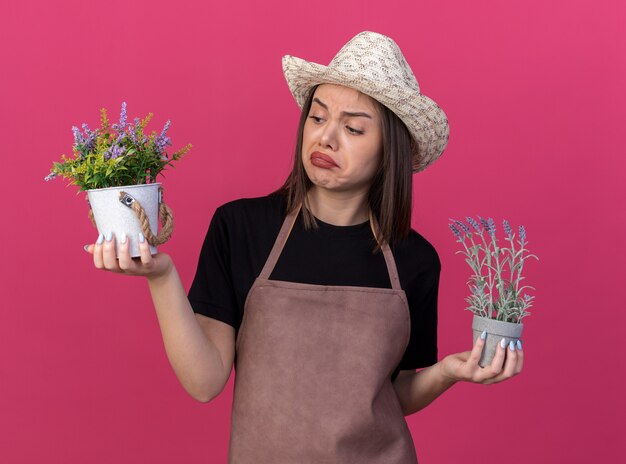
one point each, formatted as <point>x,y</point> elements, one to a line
<point>495,300</point>
<point>117,165</point>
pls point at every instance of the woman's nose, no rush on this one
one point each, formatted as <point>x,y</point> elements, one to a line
<point>328,138</point>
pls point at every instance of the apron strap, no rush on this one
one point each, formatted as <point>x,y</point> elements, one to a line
<point>391,263</point>
<point>285,230</point>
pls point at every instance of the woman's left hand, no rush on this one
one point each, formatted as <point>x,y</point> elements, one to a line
<point>464,366</point>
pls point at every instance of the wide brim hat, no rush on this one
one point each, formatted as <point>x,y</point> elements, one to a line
<point>373,64</point>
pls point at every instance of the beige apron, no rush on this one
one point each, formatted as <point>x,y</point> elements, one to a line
<point>313,371</point>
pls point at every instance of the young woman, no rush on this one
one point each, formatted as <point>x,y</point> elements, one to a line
<point>320,294</point>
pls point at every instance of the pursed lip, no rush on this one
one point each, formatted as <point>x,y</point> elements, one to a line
<point>324,156</point>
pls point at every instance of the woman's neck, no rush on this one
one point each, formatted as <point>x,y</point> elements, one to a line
<point>338,208</point>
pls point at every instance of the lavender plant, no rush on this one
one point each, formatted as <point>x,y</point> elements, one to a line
<point>493,295</point>
<point>116,155</point>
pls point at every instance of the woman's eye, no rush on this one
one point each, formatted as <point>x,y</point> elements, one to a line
<point>354,131</point>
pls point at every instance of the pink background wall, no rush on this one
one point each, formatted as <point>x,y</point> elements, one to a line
<point>534,92</point>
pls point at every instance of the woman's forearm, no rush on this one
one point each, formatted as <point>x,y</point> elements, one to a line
<point>418,390</point>
<point>194,358</point>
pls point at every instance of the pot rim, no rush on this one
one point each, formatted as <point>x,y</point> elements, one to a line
<point>476,316</point>
<point>129,186</point>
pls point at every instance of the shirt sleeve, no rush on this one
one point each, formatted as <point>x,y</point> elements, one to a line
<point>422,298</point>
<point>212,293</point>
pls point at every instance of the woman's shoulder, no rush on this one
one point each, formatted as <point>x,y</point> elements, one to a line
<point>416,252</point>
<point>255,210</point>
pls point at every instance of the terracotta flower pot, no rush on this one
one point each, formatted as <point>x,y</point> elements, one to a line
<point>111,215</point>
<point>496,330</point>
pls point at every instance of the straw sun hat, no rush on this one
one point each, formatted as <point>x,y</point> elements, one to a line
<point>373,64</point>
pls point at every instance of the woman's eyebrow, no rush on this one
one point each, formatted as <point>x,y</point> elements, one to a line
<point>343,113</point>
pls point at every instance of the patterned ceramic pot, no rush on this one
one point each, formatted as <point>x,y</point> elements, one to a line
<point>496,330</point>
<point>111,215</point>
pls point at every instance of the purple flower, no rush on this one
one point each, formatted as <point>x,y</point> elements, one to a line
<point>462,225</point>
<point>455,231</point>
<point>90,141</point>
<point>133,137</point>
<point>123,117</point>
<point>114,152</point>
<point>484,223</point>
<point>78,137</point>
<point>166,128</point>
<point>507,228</point>
<point>84,144</point>
<point>491,227</point>
<point>122,125</point>
<point>162,140</point>
<point>522,233</point>
<point>132,132</point>
<point>473,223</point>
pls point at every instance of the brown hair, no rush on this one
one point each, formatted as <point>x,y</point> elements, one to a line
<point>390,192</point>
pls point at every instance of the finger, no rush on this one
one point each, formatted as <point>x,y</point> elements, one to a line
<point>97,253</point>
<point>125,262</point>
<point>496,366</point>
<point>108,252</point>
<point>89,248</point>
<point>144,250</point>
<point>520,357</point>
<point>477,351</point>
<point>511,361</point>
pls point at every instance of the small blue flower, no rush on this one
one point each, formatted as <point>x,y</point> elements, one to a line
<point>89,143</point>
<point>473,223</point>
<point>114,152</point>
<point>78,137</point>
<point>133,137</point>
<point>161,141</point>
<point>491,227</point>
<point>50,176</point>
<point>455,231</point>
<point>166,128</point>
<point>522,233</point>
<point>462,225</point>
<point>123,117</point>
<point>507,228</point>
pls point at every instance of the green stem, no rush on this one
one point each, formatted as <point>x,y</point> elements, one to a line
<point>490,285</point>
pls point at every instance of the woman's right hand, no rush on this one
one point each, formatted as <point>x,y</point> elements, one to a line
<point>146,265</point>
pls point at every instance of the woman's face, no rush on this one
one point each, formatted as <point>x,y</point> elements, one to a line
<point>344,125</point>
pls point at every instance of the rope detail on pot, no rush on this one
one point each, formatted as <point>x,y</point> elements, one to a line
<point>165,213</point>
